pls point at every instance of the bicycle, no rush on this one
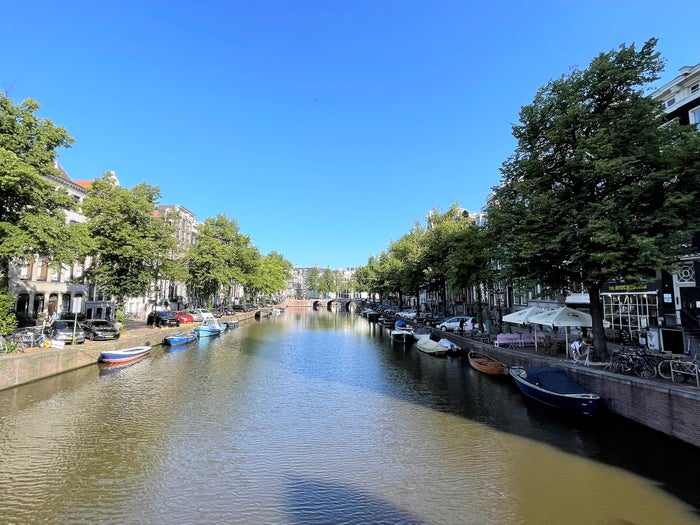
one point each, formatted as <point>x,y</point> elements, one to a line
<point>681,370</point>
<point>629,360</point>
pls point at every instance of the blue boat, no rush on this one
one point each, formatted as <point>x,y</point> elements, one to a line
<point>555,388</point>
<point>180,338</point>
<point>209,328</point>
<point>124,356</point>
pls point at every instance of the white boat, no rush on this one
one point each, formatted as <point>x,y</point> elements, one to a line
<point>420,332</point>
<point>434,348</point>
<point>125,355</point>
<point>402,335</point>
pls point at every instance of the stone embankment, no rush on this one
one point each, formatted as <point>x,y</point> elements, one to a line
<point>670,408</point>
<point>38,363</point>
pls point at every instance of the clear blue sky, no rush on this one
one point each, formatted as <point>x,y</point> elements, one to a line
<point>325,128</point>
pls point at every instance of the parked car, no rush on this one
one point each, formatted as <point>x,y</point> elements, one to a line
<point>452,324</point>
<point>99,330</point>
<point>184,316</point>
<point>238,308</point>
<point>162,318</point>
<point>206,314</point>
<point>196,316</point>
<point>66,331</point>
<point>429,319</point>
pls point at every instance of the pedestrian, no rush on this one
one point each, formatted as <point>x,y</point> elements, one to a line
<point>575,348</point>
<point>461,324</point>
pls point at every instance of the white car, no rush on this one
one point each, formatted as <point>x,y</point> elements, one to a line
<point>206,314</point>
<point>452,324</point>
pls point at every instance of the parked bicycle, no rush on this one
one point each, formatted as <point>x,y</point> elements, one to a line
<point>28,338</point>
<point>631,360</point>
<point>682,370</point>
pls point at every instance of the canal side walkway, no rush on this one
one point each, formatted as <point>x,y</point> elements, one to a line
<point>38,363</point>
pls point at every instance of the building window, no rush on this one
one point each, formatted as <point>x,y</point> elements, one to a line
<point>695,116</point>
<point>26,269</point>
<point>670,102</point>
<point>42,270</point>
<point>695,88</point>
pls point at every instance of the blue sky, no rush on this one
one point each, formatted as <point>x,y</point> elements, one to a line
<point>325,128</point>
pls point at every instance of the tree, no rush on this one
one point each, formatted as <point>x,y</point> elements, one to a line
<point>599,188</point>
<point>471,263</point>
<point>32,218</point>
<point>270,275</point>
<point>221,256</point>
<point>440,243</point>
<point>131,248</point>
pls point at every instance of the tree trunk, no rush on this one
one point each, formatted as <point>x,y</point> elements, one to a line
<point>600,347</point>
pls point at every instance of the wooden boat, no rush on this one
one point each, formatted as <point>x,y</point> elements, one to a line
<point>209,328</point>
<point>402,335</point>
<point>180,338</point>
<point>486,364</point>
<point>125,355</point>
<point>434,348</point>
<point>555,388</point>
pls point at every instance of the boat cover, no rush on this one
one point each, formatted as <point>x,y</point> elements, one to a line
<point>553,380</point>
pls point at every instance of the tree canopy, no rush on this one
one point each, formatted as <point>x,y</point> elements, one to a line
<point>599,187</point>
<point>131,247</point>
<point>32,213</point>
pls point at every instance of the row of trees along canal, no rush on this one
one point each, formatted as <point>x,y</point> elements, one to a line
<point>129,247</point>
<point>600,188</point>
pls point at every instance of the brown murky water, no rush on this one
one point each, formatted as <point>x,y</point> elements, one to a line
<point>314,417</point>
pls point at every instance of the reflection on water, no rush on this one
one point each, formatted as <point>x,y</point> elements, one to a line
<point>314,417</point>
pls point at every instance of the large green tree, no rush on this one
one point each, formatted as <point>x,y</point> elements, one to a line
<point>221,256</point>
<point>599,188</point>
<point>32,218</point>
<point>131,247</point>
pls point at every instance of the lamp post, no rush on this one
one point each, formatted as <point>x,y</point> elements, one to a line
<point>499,308</point>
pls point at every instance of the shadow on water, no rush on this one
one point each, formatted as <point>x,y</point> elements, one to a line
<point>313,502</point>
<point>451,386</point>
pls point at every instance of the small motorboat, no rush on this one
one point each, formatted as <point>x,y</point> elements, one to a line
<point>453,350</point>
<point>125,355</point>
<point>420,332</point>
<point>431,347</point>
<point>180,338</point>
<point>555,388</point>
<point>402,335</point>
<point>209,328</point>
<point>486,364</point>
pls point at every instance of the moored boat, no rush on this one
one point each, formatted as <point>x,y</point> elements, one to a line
<point>209,328</point>
<point>125,355</point>
<point>486,364</point>
<point>180,338</point>
<point>402,335</point>
<point>555,388</point>
<point>434,348</point>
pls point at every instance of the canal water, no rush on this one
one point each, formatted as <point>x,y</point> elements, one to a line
<point>316,418</point>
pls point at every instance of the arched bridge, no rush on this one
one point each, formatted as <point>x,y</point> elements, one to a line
<point>348,305</point>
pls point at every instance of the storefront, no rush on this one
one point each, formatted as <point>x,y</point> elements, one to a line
<point>631,312</point>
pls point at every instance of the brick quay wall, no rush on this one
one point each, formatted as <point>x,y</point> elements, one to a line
<point>39,363</point>
<point>670,408</point>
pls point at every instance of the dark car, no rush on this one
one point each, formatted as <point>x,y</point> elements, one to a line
<point>162,318</point>
<point>66,332</point>
<point>99,330</point>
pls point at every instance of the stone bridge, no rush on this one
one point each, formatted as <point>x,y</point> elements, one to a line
<point>349,305</point>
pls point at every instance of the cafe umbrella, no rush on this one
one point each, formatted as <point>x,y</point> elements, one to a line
<point>563,317</point>
<point>522,317</point>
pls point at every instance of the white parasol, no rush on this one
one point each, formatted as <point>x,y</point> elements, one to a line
<point>522,317</point>
<point>563,317</point>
